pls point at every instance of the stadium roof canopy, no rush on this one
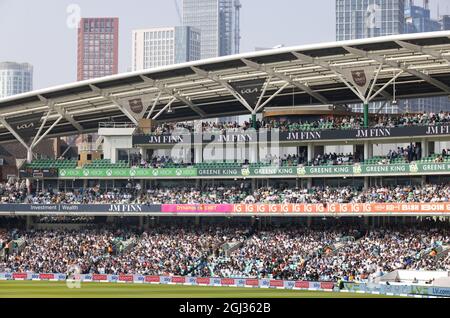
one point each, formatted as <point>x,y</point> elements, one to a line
<point>302,75</point>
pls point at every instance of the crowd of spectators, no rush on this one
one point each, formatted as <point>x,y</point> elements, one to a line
<point>322,123</point>
<point>288,252</point>
<point>243,194</point>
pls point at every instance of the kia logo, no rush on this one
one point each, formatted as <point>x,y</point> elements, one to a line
<point>25,126</point>
<point>249,91</point>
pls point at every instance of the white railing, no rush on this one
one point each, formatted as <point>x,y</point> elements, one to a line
<point>116,125</point>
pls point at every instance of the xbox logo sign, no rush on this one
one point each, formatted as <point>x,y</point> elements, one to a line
<point>178,172</point>
<point>109,172</point>
<point>63,173</point>
<point>132,172</point>
<point>86,173</point>
<point>155,172</point>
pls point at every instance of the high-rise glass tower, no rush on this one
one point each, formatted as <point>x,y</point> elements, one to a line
<point>357,19</point>
<point>15,78</point>
<point>218,22</point>
<point>165,46</point>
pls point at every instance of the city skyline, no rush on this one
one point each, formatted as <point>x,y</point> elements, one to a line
<point>48,61</point>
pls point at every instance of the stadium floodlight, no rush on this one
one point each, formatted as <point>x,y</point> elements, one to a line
<point>170,110</point>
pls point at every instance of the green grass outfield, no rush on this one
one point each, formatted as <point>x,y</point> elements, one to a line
<point>39,289</point>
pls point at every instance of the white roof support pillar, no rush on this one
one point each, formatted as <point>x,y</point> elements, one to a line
<point>42,127</point>
<point>154,105</point>
<point>164,108</point>
<point>174,93</point>
<point>273,73</point>
<point>267,101</point>
<point>266,86</point>
<point>35,143</point>
<point>371,97</point>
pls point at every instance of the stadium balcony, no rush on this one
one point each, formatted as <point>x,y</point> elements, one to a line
<point>106,164</point>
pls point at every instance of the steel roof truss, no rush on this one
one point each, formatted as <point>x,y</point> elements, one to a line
<point>174,93</point>
<point>404,67</point>
<point>273,73</point>
<point>224,84</point>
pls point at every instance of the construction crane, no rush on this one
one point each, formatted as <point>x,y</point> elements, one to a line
<point>237,28</point>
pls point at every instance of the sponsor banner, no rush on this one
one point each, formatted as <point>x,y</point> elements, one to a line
<point>113,278</point>
<point>348,286</point>
<point>253,209</point>
<point>20,275</point>
<point>314,285</point>
<point>191,280</point>
<point>439,291</point>
<point>152,279</point>
<point>337,208</point>
<point>165,139</point>
<point>275,135</point>
<point>326,285</point>
<point>196,208</point>
<point>366,133</point>
<point>264,282</point>
<point>220,172</point>
<point>302,285</point>
<point>252,282</point>
<point>203,281</point>
<point>99,277</point>
<point>276,283</point>
<point>8,276</point>
<point>48,208</point>
<point>178,280</point>
<point>288,284</point>
<point>128,173</point>
<point>215,281</point>
<point>356,170</point>
<point>46,276</point>
<point>228,281</point>
<point>165,279</point>
<point>395,289</point>
<point>241,282</point>
<point>138,278</point>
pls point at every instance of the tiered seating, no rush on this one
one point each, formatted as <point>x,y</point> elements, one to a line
<point>374,161</point>
<point>106,164</point>
<point>50,163</point>
<point>433,158</point>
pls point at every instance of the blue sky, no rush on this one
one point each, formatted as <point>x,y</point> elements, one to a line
<point>37,31</point>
